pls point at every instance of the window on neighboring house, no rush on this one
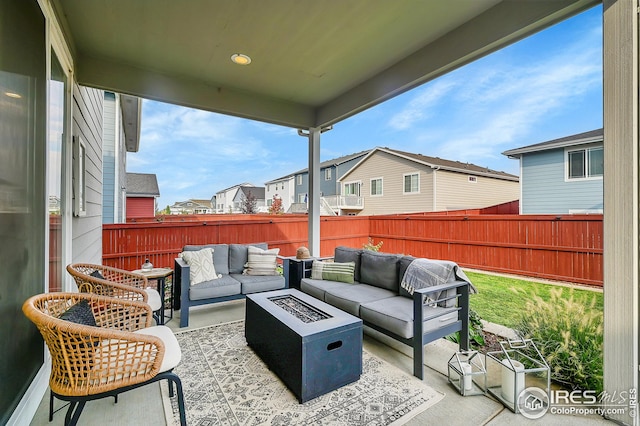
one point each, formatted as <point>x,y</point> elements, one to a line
<point>411,183</point>
<point>352,188</point>
<point>327,174</point>
<point>298,180</point>
<point>269,202</point>
<point>585,163</point>
<point>302,198</point>
<point>473,179</point>
<point>376,186</point>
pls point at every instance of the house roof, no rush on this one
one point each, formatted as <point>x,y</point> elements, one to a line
<point>439,163</point>
<point>142,185</point>
<point>256,191</point>
<point>577,139</point>
<point>235,186</point>
<point>314,63</point>
<point>333,162</point>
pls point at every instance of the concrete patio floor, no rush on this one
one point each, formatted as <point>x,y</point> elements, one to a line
<point>144,405</point>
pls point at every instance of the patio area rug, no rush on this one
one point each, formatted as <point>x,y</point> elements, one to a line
<point>225,383</point>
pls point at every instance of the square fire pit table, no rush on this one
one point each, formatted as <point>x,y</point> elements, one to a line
<point>313,347</point>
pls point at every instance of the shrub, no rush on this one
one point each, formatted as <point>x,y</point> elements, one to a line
<point>476,337</point>
<point>371,246</point>
<point>569,335</point>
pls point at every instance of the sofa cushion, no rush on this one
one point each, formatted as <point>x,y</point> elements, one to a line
<point>261,262</point>
<point>350,297</point>
<point>379,269</point>
<point>220,255</point>
<point>238,256</point>
<point>347,254</point>
<point>396,315</point>
<point>402,268</point>
<point>333,271</point>
<point>200,263</point>
<point>317,288</point>
<point>223,286</point>
<point>257,283</point>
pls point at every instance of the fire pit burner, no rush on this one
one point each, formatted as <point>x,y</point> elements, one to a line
<point>299,309</point>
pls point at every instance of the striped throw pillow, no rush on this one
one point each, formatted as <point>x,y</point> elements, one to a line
<point>261,262</point>
<point>333,271</point>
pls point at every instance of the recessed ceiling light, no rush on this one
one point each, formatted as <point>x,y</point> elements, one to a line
<point>13,95</point>
<point>240,59</point>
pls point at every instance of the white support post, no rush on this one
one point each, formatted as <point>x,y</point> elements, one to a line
<point>314,191</point>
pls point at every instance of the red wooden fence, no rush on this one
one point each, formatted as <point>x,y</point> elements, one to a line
<point>565,248</point>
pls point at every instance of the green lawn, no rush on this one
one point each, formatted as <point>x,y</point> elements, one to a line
<point>501,299</point>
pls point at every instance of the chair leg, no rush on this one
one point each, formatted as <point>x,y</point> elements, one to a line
<point>172,379</point>
<point>50,406</point>
<point>73,413</point>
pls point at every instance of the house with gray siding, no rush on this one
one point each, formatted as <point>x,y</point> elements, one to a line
<point>120,134</point>
<point>562,176</point>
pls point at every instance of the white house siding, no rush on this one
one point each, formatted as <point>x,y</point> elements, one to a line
<point>284,189</point>
<point>392,170</point>
<point>454,191</point>
<point>87,123</point>
<point>545,190</point>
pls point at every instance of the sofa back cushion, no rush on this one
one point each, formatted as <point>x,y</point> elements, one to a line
<point>403,265</point>
<point>379,269</point>
<point>347,254</point>
<point>220,255</point>
<point>238,256</point>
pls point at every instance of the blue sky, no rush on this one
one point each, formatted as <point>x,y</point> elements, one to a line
<point>546,86</point>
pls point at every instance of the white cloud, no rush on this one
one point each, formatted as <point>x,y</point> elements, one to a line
<point>421,105</point>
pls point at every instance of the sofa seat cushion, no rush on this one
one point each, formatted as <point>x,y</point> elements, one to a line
<point>349,298</point>
<point>223,286</point>
<point>258,283</point>
<point>396,315</point>
<point>317,288</point>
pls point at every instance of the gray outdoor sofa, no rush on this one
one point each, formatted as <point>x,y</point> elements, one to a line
<point>229,261</point>
<point>377,297</point>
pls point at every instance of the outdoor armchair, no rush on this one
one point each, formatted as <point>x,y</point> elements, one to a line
<point>114,282</point>
<point>101,346</point>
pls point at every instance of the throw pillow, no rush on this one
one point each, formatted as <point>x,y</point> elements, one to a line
<point>333,271</point>
<point>80,313</point>
<point>201,265</point>
<point>97,274</point>
<point>261,262</point>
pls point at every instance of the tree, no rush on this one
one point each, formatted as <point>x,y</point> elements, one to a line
<point>248,203</point>
<point>276,205</point>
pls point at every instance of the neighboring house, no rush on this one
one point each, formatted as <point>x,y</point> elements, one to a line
<point>192,206</point>
<point>120,134</point>
<point>562,176</point>
<point>142,191</point>
<point>391,181</point>
<point>244,192</point>
<point>330,189</point>
<point>282,188</point>
<point>225,198</point>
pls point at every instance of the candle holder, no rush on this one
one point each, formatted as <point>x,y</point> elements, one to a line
<point>466,372</point>
<point>516,367</point>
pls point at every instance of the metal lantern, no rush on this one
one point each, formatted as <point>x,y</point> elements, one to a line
<point>516,367</point>
<point>466,372</point>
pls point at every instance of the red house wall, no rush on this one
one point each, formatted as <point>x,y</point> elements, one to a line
<point>140,207</point>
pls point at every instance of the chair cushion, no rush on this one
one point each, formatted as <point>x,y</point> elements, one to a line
<point>172,352</point>
<point>97,274</point>
<point>261,262</point>
<point>333,271</point>
<point>238,256</point>
<point>258,283</point>
<point>347,254</point>
<point>80,313</point>
<point>201,265</point>
<point>379,269</point>
<point>317,288</point>
<point>396,315</point>
<point>153,298</point>
<point>220,255</point>
<point>223,286</point>
<point>349,297</point>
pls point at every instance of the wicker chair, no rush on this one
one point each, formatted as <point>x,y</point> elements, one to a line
<point>114,282</point>
<point>121,352</point>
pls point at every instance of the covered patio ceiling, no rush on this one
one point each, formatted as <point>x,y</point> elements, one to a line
<point>314,63</point>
